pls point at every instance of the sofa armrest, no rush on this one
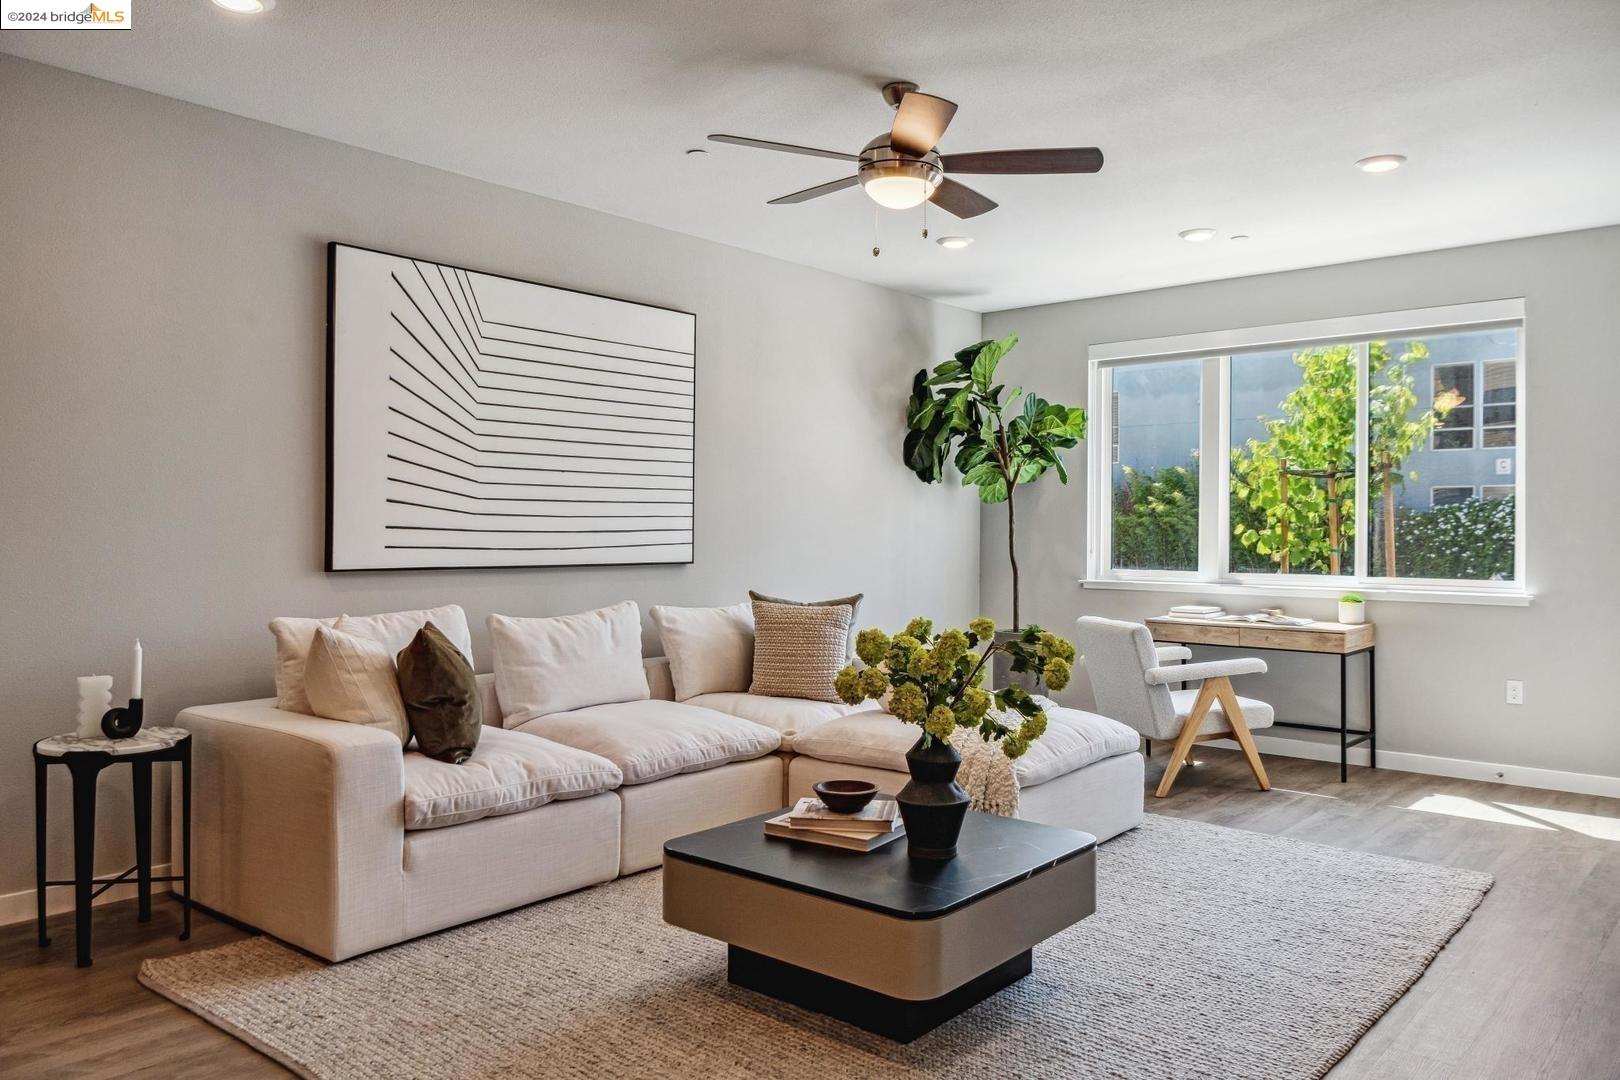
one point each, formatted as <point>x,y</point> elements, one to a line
<point>298,825</point>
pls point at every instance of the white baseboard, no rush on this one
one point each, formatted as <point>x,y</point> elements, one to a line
<point>20,906</point>
<point>1461,768</point>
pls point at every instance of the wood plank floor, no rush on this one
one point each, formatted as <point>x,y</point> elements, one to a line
<point>1529,988</point>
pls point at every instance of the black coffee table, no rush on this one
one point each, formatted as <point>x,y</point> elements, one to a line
<point>882,942</point>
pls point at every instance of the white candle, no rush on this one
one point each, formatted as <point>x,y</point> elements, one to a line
<point>135,681</point>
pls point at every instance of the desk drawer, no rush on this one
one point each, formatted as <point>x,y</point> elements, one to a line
<point>1194,634</point>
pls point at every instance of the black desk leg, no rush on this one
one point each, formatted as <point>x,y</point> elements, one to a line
<point>1344,726</point>
<point>185,832</point>
<point>84,770</point>
<point>141,781</point>
<point>1372,710</point>
<point>40,801</point>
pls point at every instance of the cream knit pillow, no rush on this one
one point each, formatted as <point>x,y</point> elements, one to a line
<point>799,648</point>
<point>351,678</point>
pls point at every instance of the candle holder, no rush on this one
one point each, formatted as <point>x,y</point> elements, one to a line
<point>123,722</point>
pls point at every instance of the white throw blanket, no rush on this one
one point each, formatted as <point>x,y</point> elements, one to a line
<point>987,773</point>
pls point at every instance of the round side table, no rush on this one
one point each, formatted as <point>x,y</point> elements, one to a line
<point>85,758</point>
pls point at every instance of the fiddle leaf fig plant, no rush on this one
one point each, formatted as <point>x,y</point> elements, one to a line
<point>998,440</point>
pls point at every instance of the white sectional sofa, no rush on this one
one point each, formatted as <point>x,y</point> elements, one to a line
<point>327,836</point>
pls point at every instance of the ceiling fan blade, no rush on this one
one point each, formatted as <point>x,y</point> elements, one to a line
<point>786,148</point>
<point>816,192</point>
<point>961,200</point>
<point>919,122</point>
<point>1069,159</point>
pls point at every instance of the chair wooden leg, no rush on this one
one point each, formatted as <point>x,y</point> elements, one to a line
<point>1240,730</point>
<point>1182,750</point>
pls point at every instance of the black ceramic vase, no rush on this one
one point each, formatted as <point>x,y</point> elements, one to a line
<point>933,804</point>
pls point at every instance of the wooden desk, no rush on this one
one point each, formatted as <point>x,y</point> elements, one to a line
<point>1332,639</point>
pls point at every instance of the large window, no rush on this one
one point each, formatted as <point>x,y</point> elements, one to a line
<point>1376,452</point>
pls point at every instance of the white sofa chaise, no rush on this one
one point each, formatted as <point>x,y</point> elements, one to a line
<point>325,835</point>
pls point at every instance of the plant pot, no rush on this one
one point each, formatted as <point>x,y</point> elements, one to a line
<point>1002,674</point>
<point>932,804</point>
<point>1352,614</point>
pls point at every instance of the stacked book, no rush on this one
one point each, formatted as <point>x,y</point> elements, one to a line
<point>869,828</point>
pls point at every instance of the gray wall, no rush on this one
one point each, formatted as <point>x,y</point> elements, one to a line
<point>1440,667</point>
<point>162,366</point>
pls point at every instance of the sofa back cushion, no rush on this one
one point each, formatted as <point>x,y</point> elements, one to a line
<point>710,650</point>
<point>294,636</point>
<point>351,678</point>
<point>567,662</point>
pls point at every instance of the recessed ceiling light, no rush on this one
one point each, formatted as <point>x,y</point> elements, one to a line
<point>1240,236</point>
<point>1381,163</point>
<point>697,154</point>
<point>954,243</point>
<point>1198,235</point>
<point>245,7</point>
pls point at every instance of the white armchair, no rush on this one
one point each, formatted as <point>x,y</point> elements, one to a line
<point>1131,682</point>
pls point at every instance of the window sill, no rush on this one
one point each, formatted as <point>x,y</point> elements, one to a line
<point>1493,597</point>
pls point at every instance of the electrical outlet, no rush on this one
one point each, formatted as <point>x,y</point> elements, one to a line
<point>1515,692</point>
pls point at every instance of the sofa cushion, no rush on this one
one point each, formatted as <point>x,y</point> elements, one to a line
<point>710,650</point>
<point>651,739</point>
<point>440,693</point>
<point>294,636</point>
<point>567,662</point>
<point>787,716</point>
<point>508,772</point>
<point>1073,740</point>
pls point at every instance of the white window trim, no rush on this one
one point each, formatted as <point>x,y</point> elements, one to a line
<point>1215,349</point>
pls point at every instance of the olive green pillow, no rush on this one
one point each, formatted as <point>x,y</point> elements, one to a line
<point>441,696</point>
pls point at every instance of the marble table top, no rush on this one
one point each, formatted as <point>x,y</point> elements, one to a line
<point>143,741</point>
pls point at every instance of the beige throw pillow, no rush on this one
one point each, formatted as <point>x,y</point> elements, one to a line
<point>799,648</point>
<point>710,650</point>
<point>351,678</point>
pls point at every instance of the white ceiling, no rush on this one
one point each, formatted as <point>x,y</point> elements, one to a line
<point>1244,115</point>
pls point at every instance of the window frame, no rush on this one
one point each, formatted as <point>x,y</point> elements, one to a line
<point>1214,350</point>
<point>1472,489</point>
<point>1473,407</point>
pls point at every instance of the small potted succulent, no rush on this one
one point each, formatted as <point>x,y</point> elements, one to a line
<point>937,683</point>
<point>1352,609</point>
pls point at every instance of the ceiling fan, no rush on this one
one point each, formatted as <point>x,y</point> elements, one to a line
<point>903,167</point>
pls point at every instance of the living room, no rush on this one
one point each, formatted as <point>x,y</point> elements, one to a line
<point>1290,767</point>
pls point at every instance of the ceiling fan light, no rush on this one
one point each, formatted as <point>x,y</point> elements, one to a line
<point>900,184</point>
<point>1198,235</point>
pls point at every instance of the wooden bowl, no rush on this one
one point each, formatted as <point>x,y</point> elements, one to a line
<point>845,796</point>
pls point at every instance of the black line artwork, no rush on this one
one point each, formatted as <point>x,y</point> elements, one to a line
<point>478,420</point>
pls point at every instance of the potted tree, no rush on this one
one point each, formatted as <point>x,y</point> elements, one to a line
<point>999,440</point>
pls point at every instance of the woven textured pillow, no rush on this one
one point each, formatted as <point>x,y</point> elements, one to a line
<point>799,648</point>
<point>851,602</point>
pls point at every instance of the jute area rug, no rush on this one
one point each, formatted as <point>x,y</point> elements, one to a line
<point>1214,953</point>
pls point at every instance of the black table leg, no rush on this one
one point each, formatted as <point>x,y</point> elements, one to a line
<point>1372,710</point>
<point>40,800</point>
<point>141,781</point>
<point>185,832</point>
<point>1344,726</point>
<point>84,770</point>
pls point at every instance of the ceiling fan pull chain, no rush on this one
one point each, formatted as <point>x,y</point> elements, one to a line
<point>925,218</point>
<point>876,251</point>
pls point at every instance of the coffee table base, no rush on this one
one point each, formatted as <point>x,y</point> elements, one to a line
<point>892,1017</point>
